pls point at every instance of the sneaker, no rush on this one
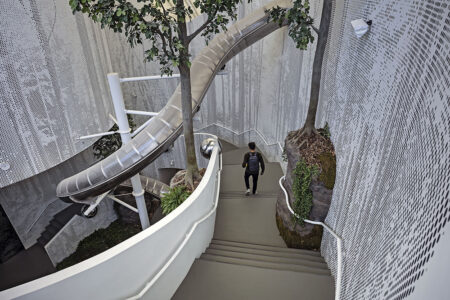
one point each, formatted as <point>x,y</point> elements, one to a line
<point>247,193</point>
<point>255,193</point>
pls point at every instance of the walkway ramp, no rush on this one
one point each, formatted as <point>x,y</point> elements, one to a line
<point>247,258</point>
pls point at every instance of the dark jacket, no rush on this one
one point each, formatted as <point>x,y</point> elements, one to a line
<point>245,162</point>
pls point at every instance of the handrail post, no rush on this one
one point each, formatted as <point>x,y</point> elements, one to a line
<point>125,134</point>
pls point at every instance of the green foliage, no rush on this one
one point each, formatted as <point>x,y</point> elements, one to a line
<point>174,198</point>
<point>328,165</point>
<point>302,205</point>
<point>108,144</point>
<point>298,20</point>
<point>325,131</point>
<point>284,155</point>
<point>161,22</point>
<point>99,241</point>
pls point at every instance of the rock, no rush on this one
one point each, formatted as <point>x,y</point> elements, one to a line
<point>308,236</point>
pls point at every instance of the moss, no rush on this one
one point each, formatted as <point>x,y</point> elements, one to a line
<point>292,239</point>
<point>99,241</point>
<point>328,174</point>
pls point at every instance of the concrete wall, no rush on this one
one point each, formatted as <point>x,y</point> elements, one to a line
<point>31,203</point>
<point>66,241</point>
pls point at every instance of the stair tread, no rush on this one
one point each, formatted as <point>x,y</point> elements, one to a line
<point>58,222</point>
<point>233,178</point>
<point>265,265</point>
<point>220,281</point>
<point>305,261</point>
<point>266,252</point>
<point>264,247</point>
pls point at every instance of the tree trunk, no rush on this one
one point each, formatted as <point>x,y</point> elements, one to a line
<point>192,172</point>
<point>309,126</point>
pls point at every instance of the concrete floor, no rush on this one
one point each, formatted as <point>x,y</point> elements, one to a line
<point>25,266</point>
<point>247,258</point>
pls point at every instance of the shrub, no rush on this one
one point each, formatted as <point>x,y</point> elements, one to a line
<point>99,241</point>
<point>325,131</point>
<point>107,145</point>
<point>302,205</point>
<point>174,198</point>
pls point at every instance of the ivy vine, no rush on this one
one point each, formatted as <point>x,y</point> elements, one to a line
<point>302,205</point>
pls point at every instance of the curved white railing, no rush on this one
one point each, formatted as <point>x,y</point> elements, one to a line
<point>338,240</point>
<point>151,264</point>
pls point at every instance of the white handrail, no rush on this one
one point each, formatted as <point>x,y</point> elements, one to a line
<point>244,132</point>
<point>153,77</point>
<point>338,241</point>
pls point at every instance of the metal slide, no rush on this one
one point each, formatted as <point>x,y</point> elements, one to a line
<point>165,128</point>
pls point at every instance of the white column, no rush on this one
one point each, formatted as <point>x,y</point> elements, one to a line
<point>125,134</point>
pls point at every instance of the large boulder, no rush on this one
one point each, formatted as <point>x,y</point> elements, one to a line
<point>307,236</point>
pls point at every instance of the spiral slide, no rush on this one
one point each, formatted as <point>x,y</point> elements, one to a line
<point>165,128</point>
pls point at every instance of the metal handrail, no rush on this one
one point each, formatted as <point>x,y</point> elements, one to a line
<point>338,241</point>
<point>244,132</point>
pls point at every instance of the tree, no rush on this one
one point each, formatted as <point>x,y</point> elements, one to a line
<point>300,25</point>
<point>163,24</point>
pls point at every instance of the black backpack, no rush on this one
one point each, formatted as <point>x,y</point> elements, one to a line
<point>253,163</point>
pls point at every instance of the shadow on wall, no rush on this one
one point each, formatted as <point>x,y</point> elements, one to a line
<point>10,243</point>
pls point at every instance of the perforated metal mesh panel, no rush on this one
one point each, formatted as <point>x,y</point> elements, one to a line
<point>386,97</point>
<point>53,86</point>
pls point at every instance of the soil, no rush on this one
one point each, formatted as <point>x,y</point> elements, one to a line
<point>311,147</point>
<point>127,216</point>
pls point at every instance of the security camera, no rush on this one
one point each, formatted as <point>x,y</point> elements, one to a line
<point>361,27</point>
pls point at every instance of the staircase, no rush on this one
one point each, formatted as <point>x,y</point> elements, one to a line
<point>57,223</point>
<point>247,259</point>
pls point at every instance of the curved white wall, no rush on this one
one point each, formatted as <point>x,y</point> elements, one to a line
<point>150,265</point>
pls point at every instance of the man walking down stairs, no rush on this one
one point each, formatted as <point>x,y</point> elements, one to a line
<point>247,259</point>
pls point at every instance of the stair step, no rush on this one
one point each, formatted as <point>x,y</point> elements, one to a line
<point>224,281</point>
<point>235,157</point>
<point>233,178</point>
<point>241,194</point>
<point>56,223</point>
<point>265,265</point>
<point>267,253</point>
<point>227,147</point>
<point>52,230</point>
<point>265,247</point>
<point>268,258</point>
<point>42,241</point>
<point>47,236</point>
